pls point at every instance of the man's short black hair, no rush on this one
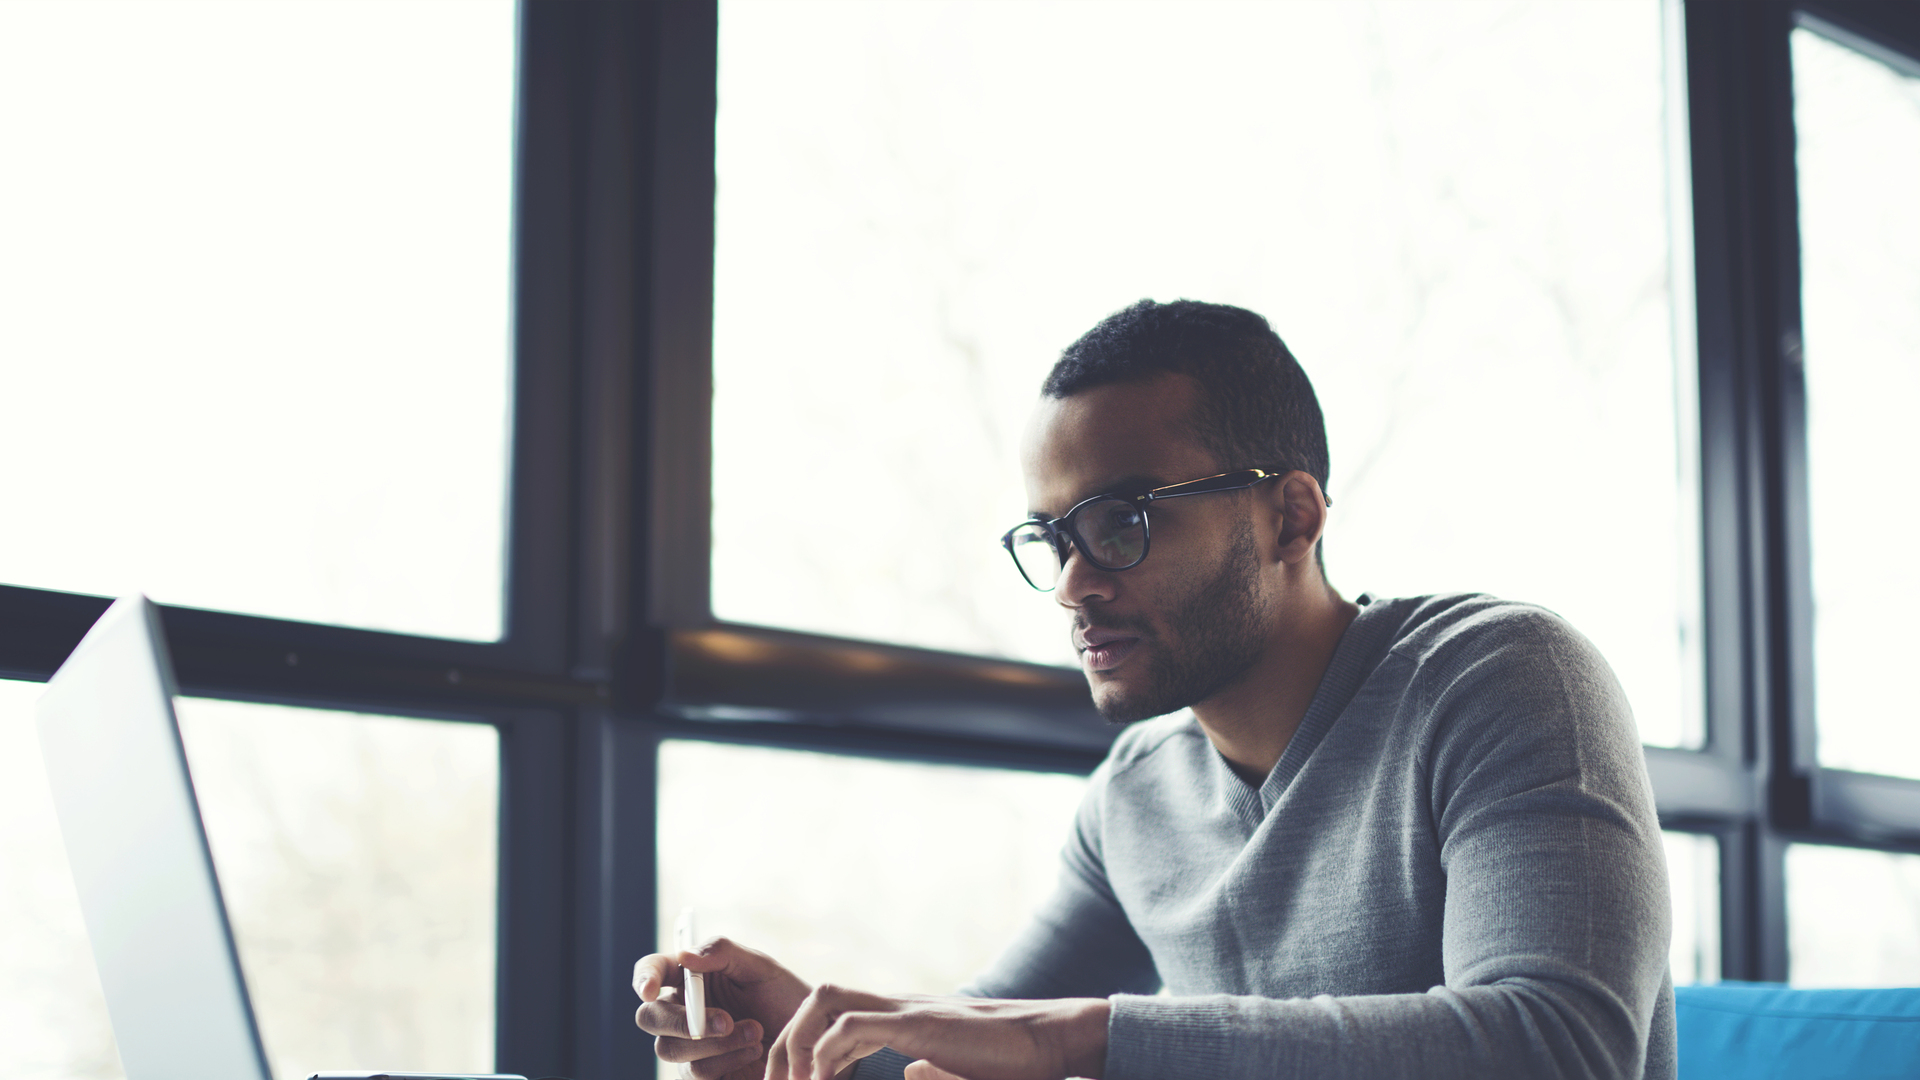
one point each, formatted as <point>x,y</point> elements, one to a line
<point>1257,410</point>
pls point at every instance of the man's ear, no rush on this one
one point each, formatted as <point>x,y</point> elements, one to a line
<point>1301,510</point>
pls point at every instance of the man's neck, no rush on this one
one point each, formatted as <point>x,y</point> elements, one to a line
<point>1251,722</point>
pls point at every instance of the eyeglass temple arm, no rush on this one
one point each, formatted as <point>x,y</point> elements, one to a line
<point>1204,485</point>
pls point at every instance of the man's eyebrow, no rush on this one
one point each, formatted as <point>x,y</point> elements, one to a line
<point>1126,485</point>
<point>1131,485</point>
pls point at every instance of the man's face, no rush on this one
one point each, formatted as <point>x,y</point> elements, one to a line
<point>1189,620</point>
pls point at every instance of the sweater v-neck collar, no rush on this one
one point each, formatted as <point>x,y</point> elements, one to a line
<point>1361,646</point>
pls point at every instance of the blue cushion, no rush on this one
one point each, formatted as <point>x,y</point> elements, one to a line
<point>1763,1031</point>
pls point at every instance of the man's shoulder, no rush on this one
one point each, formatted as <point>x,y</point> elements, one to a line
<point>1470,654</point>
<point>1446,629</point>
<point>1448,637</point>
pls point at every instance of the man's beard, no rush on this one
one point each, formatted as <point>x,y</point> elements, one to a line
<point>1212,638</point>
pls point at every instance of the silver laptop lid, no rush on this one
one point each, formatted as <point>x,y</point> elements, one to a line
<point>140,860</point>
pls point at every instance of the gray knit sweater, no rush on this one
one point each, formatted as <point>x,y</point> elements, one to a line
<point>1453,871</point>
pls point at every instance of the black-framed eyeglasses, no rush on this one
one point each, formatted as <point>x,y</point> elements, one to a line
<point>1110,530</point>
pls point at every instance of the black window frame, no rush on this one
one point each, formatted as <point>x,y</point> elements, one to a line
<point>1765,790</point>
<point>610,644</point>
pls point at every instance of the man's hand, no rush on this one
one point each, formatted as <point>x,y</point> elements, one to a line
<point>978,1038</point>
<point>750,999</point>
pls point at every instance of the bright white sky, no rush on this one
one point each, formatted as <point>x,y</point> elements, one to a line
<point>1858,137</point>
<point>1459,224</point>
<point>1853,917</point>
<point>253,305</point>
<point>254,355</point>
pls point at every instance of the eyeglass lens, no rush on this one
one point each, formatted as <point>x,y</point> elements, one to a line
<point>1111,533</point>
<point>1034,553</point>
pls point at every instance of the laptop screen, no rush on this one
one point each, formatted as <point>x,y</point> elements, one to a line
<point>139,856</point>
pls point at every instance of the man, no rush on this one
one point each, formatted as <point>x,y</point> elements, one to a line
<point>1385,838</point>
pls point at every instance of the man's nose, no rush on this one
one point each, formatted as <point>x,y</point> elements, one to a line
<point>1081,582</point>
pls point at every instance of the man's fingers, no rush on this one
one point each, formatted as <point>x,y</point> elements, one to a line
<point>729,956</point>
<point>852,1036</point>
<point>720,1024</point>
<point>927,1070</point>
<point>714,1068</point>
<point>746,1036</point>
<point>777,1056</point>
<point>660,1018</point>
<point>657,970</point>
<point>804,1030</point>
<point>668,1017</point>
<point>650,973</point>
<point>809,1025</point>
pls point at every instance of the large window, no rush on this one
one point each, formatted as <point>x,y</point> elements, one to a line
<point>1693,873</point>
<point>356,855</point>
<point>1857,119</point>
<point>1522,273</point>
<point>1855,916</point>
<point>920,205</point>
<point>968,850</point>
<point>50,996</point>
<point>504,403</point>
<point>254,305</point>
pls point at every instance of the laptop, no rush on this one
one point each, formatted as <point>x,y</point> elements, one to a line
<point>148,892</point>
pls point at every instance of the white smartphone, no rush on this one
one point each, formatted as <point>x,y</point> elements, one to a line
<point>693,985</point>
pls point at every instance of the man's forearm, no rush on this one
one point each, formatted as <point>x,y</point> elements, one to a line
<point>1527,1029</point>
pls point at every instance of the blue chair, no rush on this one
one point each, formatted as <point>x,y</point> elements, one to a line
<point>1764,1031</point>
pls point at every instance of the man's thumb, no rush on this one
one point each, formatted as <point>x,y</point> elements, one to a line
<point>927,1070</point>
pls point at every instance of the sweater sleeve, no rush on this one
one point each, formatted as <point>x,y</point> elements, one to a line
<point>1556,915</point>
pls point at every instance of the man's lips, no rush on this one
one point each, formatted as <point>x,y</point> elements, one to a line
<point>1103,649</point>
